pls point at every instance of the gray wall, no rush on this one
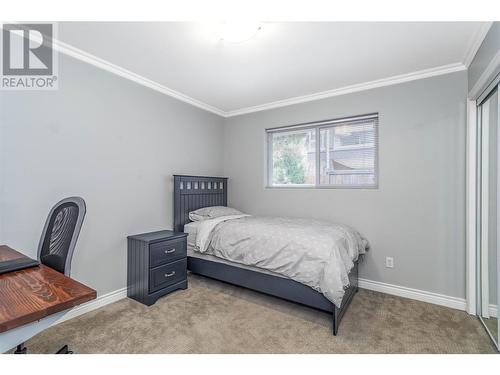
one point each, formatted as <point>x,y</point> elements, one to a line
<point>117,144</point>
<point>418,213</point>
<point>109,140</point>
<point>489,48</point>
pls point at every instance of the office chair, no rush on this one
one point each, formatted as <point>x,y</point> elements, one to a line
<point>58,241</point>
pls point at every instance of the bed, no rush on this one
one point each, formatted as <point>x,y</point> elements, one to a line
<point>195,192</point>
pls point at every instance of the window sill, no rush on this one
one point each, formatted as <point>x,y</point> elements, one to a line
<point>322,187</point>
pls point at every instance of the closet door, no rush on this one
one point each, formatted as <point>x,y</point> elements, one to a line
<point>488,213</point>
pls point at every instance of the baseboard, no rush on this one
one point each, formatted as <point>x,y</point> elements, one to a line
<point>493,311</point>
<point>416,294</point>
<point>100,301</point>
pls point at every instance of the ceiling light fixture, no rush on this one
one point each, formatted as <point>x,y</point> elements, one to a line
<point>237,32</point>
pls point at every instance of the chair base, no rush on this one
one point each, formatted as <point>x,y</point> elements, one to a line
<point>64,350</point>
<point>21,349</point>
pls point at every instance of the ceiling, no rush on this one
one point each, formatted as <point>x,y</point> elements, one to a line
<point>283,60</point>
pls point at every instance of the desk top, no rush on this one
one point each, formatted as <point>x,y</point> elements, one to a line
<point>34,293</point>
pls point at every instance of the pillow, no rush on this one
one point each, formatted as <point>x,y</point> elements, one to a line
<point>206,213</point>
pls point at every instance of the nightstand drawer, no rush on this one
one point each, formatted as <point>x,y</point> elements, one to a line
<point>168,274</point>
<point>166,251</point>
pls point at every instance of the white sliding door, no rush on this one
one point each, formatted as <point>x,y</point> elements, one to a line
<point>488,212</point>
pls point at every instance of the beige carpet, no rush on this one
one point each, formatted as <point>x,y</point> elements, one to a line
<point>213,317</point>
<point>492,325</point>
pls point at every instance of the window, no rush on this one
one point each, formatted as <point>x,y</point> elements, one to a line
<point>335,153</point>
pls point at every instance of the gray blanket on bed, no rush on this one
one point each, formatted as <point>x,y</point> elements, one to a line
<point>315,253</point>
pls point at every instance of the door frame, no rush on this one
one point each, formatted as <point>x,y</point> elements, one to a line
<point>472,202</point>
<point>471,206</point>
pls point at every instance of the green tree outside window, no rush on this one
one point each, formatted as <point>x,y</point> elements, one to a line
<point>288,159</point>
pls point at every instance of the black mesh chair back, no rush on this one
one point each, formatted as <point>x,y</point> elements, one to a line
<point>60,234</point>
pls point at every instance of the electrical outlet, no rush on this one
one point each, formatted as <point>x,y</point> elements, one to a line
<point>389,262</point>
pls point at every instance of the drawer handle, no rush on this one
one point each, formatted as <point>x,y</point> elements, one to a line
<point>170,274</point>
<point>170,251</point>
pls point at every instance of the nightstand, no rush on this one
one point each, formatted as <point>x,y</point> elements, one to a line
<point>156,265</point>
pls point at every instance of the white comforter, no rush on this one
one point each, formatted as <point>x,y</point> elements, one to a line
<point>315,253</point>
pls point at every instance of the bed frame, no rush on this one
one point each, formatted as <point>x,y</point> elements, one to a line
<point>193,192</point>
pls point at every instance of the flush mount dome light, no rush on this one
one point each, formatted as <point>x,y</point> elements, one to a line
<point>237,32</point>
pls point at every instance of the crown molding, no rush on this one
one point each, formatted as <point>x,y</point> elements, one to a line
<point>421,74</point>
<point>78,54</point>
<point>127,74</point>
<point>486,77</point>
<point>86,57</point>
<point>124,73</point>
<point>477,40</point>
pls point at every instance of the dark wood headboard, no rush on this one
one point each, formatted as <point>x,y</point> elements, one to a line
<point>193,192</point>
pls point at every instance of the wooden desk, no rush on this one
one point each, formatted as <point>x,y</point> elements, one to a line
<point>34,293</point>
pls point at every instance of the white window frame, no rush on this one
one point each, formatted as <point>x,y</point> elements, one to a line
<point>318,126</point>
